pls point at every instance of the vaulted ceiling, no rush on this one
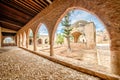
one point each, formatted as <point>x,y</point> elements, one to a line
<point>14,14</point>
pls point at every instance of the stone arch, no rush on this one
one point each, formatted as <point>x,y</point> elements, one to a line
<point>74,8</point>
<point>39,26</point>
<point>30,36</point>
<point>39,36</point>
<point>76,36</point>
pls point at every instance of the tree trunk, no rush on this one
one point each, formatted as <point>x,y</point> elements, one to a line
<point>69,48</point>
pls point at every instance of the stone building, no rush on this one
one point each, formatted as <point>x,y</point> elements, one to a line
<point>43,39</point>
<point>20,16</point>
<point>87,31</point>
<point>102,37</point>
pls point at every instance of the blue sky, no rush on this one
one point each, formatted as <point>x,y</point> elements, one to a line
<point>43,30</point>
<point>76,16</point>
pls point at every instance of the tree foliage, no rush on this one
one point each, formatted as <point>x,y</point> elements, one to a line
<point>60,39</point>
<point>67,29</point>
<point>66,23</point>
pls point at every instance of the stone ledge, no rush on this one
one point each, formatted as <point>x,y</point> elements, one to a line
<point>78,68</point>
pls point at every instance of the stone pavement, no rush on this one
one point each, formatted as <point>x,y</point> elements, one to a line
<point>17,64</point>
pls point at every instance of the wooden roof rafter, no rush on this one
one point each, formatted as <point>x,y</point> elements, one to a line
<point>14,14</point>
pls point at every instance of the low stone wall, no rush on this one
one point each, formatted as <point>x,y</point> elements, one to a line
<point>78,68</point>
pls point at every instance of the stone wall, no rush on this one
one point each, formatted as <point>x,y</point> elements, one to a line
<point>0,37</point>
<point>90,35</point>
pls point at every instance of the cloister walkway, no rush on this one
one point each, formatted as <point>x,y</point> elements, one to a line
<point>16,63</point>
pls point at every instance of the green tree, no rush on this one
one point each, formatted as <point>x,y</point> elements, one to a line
<point>67,29</point>
<point>60,39</point>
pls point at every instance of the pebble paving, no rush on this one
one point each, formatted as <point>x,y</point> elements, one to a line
<point>18,64</point>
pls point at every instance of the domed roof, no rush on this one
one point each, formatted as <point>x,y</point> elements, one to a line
<point>79,23</point>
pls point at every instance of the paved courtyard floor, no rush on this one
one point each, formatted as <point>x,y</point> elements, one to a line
<point>18,64</point>
<point>100,56</point>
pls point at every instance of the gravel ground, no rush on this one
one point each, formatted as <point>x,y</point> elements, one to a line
<point>17,64</point>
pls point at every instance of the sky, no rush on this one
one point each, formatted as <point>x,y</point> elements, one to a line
<point>76,16</point>
<point>43,30</point>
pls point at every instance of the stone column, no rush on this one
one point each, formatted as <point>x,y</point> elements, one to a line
<point>15,39</point>
<point>0,37</point>
<point>51,46</point>
<point>34,42</point>
<point>115,56</point>
<point>27,40</point>
<point>22,40</point>
<point>18,38</point>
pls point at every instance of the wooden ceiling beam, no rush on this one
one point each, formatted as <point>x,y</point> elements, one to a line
<point>43,1</point>
<point>33,5</point>
<point>10,15</point>
<point>36,5</point>
<point>9,26</point>
<point>14,14</point>
<point>17,7</point>
<point>12,24</point>
<point>10,20</point>
<point>40,3</point>
<point>15,18</point>
<point>25,3</point>
<point>13,11</point>
<point>16,1</point>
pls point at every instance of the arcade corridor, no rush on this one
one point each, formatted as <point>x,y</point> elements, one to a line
<point>29,42</point>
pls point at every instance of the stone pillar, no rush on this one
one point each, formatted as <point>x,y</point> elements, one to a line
<point>90,35</point>
<point>51,46</point>
<point>51,50</point>
<point>27,40</point>
<point>18,40</point>
<point>34,42</point>
<point>115,56</point>
<point>22,39</point>
<point>0,37</point>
